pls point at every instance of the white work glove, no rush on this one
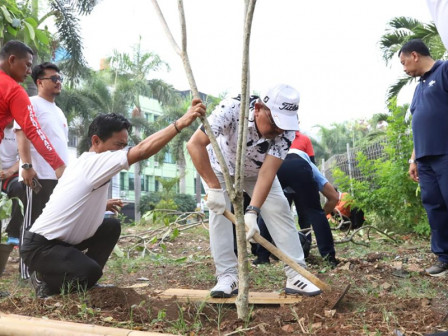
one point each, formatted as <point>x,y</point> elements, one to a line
<point>250,219</point>
<point>216,201</point>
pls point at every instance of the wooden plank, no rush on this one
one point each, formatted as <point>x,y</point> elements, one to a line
<point>18,325</point>
<point>196,295</point>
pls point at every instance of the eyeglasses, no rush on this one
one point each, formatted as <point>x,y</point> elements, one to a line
<point>54,78</point>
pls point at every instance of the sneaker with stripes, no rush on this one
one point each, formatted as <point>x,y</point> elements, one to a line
<point>41,288</point>
<point>226,287</point>
<point>299,285</point>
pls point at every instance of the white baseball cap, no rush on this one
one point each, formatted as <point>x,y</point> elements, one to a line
<point>283,101</point>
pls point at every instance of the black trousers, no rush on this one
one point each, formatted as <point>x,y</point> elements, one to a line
<point>15,189</point>
<point>296,173</point>
<point>433,177</point>
<point>35,204</point>
<point>65,266</point>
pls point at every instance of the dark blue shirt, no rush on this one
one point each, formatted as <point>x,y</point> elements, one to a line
<point>429,110</point>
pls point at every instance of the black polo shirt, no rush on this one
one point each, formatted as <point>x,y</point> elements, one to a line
<point>429,110</point>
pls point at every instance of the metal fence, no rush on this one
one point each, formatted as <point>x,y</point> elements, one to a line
<point>347,161</point>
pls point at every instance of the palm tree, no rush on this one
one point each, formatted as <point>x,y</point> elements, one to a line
<point>131,76</point>
<point>399,31</point>
<point>24,21</point>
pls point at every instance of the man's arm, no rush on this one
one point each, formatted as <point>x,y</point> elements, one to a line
<point>155,142</point>
<point>196,146</point>
<point>332,197</point>
<point>23,146</point>
<point>22,111</point>
<point>413,172</point>
<point>266,176</point>
<point>5,174</point>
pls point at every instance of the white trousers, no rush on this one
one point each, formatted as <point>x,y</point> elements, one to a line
<point>279,221</point>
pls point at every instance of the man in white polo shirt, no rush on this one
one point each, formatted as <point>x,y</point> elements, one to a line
<point>48,80</point>
<point>272,122</point>
<point>73,220</point>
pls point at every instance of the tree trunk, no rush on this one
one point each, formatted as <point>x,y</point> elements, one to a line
<point>137,169</point>
<point>237,199</point>
<point>242,302</point>
<point>137,191</point>
<point>198,188</point>
<point>181,165</point>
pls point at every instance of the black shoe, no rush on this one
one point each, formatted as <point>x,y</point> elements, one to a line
<point>259,261</point>
<point>440,268</point>
<point>41,287</point>
<point>333,262</point>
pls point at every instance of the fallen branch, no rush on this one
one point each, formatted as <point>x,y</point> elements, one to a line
<point>161,233</point>
<point>238,331</point>
<point>368,227</point>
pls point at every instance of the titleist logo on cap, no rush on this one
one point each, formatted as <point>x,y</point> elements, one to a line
<point>289,107</point>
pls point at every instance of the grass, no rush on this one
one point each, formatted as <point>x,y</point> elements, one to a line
<point>186,262</point>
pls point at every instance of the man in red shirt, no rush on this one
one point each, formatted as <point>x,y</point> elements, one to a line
<point>303,143</point>
<point>15,65</point>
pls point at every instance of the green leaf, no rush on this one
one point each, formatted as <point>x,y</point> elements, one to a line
<point>180,260</point>
<point>6,14</point>
<point>30,30</point>
<point>119,253</point>
<point>11,31</point>
<point>175,233</point>
<point>31,21</point>
<point>42,37</point>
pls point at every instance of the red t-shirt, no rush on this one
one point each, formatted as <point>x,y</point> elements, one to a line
<point>303,143</point>
<point>15,104</point>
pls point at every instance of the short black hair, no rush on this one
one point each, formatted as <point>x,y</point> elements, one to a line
<point>416,45</point>
<point>104,125</point>
<point>15,48</point>
<point>39,70</point>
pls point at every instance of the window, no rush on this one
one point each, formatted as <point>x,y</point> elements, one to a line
<point>202,187</point>
<point>156,185</point>
<point>131,181</point>
<point>144,182</point>
<point>122,177</point>
<point>168,158</point>
<point>72,140</point>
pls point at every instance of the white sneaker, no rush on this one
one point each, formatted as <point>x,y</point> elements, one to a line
<point>226,287</point>
<point>299,285</point>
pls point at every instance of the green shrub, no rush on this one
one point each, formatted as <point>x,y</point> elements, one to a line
<point>185,202</point>
<point>387,193</point>
<point>149,202</point>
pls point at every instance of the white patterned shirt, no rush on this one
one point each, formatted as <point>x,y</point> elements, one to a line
<point>224,122</point>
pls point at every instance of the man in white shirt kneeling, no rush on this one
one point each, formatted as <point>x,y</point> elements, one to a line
<point>73,219</point>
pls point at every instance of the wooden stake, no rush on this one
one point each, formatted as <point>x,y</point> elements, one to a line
<point>283,257</point>
<point>17,325</point>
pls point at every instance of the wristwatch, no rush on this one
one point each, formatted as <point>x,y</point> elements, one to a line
<point>411,161</point>
<point>27,166</point>
<point>253,208</point>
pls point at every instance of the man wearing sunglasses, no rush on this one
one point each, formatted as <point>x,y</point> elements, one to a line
<point>15,65</point>
<point>48,80</point>
<point>272,122</point>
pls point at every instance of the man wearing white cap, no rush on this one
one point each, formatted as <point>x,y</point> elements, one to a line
<point>272,122</point>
